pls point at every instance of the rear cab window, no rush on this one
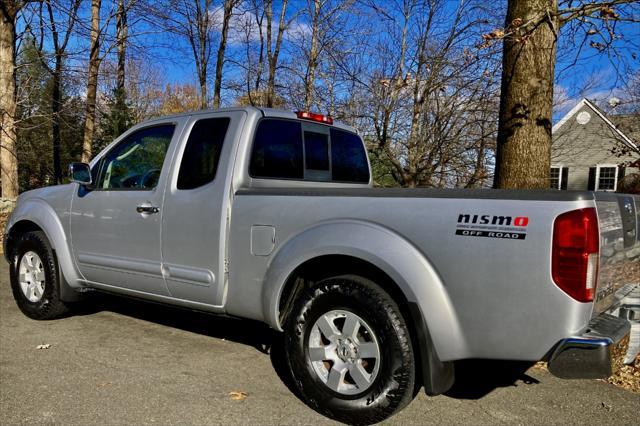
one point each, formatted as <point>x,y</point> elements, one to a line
<point>295,150</point>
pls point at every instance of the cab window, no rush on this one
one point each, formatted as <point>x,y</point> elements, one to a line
<point>136,162</point>
<point>202,153</point>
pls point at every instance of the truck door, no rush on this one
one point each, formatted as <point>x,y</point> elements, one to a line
<point>115,224</point>
<point>196,203</point>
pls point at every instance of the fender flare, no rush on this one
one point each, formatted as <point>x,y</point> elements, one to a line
<point>40,213</point>
<point>409,268</point>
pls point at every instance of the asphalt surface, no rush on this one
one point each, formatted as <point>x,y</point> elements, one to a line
<point>118,361</point>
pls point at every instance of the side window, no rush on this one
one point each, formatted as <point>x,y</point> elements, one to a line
<point>277,150</point>
<point>348,159</point>
<point>136,162</point>
<point>202,153</point>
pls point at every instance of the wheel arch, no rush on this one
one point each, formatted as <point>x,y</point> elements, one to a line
<point>37,215</point>
<point>384,257</point>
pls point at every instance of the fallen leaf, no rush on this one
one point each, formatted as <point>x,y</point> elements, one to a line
<point>46,346</point>
<point>238,396</point>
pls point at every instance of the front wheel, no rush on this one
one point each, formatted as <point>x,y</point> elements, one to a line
<point>34,277</point>
<point>349,351</point>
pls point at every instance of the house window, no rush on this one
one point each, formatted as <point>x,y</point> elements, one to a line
<point>556,177</point>
<point>559,177</point>
<point>606,178</point>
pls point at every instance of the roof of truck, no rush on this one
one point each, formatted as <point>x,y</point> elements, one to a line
<point>266,112</point>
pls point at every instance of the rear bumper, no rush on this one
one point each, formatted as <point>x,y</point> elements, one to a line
<point>589,356</point>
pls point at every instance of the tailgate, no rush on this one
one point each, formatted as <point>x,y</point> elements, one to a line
<point>619,220</point>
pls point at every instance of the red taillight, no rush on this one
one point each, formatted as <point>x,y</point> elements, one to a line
<point>574,259</point>
<point>314,117</point>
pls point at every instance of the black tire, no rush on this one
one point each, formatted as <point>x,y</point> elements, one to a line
<point>49,306</point>
<point>393,387</point>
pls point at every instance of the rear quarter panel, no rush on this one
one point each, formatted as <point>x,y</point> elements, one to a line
<point>504,303</point>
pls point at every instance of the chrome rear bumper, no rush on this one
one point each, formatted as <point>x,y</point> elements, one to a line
<point>588,356</point>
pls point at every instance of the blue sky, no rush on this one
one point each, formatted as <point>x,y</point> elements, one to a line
<point>580,73</point>
<point>594,75</point>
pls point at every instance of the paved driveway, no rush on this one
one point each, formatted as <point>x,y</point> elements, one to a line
<point>123,361</point>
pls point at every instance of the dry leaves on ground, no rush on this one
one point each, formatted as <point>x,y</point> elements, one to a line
<point>627,376</point>
<point>238,396</point>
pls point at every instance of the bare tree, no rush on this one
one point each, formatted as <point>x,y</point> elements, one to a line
<point>59,51</point>
<point>97,52</point>
<point>226,19</point>
<point>92,81</point>
<point>273,52</point>
<point>326,28</point>
<point>192,21</point>
<point>430,99</point>
<point>314,54</point>
<point>261,53</point>
<point>197,27</point>
<point>122,32</point>
<point>8,158</point>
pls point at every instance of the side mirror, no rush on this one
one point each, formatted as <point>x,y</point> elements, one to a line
<point>80,173</point>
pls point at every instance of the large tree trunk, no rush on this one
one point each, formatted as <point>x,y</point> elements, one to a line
<point>228,8</point>
<point>92,82</point>
<point>524,131</point>
<point>8,158</point>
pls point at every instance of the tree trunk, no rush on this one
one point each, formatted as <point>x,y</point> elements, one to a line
<point>8,157</point>
<point>121,43</point>
<point>202,23</point>
<point>122,31</point>
<point>273,56</point>
<point>228,8</point>
<point>56,106</point>
<point>313,57</point>
<point>523,154</point>
<point>56,77</point>
<point>92,82</point>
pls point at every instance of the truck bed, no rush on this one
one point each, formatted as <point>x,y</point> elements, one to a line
<point>482,284</point>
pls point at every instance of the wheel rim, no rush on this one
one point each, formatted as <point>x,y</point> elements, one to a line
<point>32,276</point>
<point>344,352</point>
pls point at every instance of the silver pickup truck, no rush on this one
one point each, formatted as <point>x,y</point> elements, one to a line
<point>271,215</point>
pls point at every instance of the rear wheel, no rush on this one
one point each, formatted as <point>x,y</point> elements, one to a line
<point>349,351</point>
<point>34,277</point>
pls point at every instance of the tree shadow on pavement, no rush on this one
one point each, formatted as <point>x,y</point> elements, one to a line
<point>251,333</point>
<point>474,378</point>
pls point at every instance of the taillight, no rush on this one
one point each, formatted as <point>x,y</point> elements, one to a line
<point>305,115</point>
<point>574,259</point>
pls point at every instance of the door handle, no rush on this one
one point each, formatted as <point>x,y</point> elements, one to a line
<point>148,209</point>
